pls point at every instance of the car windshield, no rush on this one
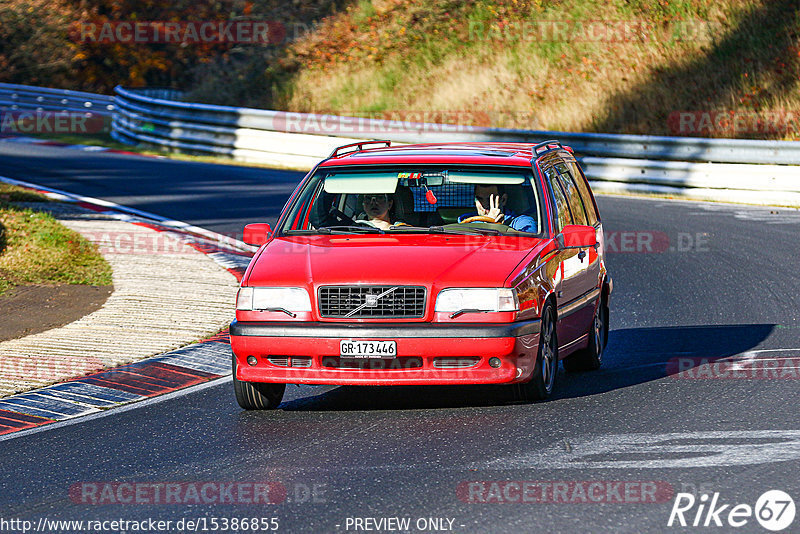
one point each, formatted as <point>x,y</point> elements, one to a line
<point>420,200</point>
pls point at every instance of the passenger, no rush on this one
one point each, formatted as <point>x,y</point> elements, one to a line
<point>379,211</point>
<point>490,201</point>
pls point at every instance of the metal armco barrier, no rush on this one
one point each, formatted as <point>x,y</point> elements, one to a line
<point>28,98</point>
<point>712,169</point>
<point>760,172</point>
<point>146,103</point>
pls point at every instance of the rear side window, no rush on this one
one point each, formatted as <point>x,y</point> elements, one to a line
<point>586,194</point>
<point>563,216</point>
<point>572,194</point>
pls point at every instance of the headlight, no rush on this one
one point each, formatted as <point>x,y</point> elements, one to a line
<point>478,299</point>
<point>293,299</point>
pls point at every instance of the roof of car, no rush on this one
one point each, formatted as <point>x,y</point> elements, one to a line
<point>516,154</point>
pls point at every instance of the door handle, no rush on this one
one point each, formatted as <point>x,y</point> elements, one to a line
<point>581,255</point>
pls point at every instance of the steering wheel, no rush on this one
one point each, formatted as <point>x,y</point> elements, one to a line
<point>340,217</point>
<point>478,218</point>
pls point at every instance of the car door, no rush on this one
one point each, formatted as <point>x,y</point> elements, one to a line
<point>568,286</point>
<point>592,213</point>
<point>585,266</point>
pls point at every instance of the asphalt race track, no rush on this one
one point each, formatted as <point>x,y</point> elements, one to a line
<point>718,281</point>
<point>216,197</point>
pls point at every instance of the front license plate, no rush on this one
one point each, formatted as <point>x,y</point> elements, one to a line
<point>367,349</point>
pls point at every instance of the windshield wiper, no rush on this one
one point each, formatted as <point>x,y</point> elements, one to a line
<point>407,227</point>
<point>350,230</point>
<point>467,310</point>
<point>465,230</point>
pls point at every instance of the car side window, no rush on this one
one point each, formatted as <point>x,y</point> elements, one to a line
<point>586,194</point>
<point>573,196</point>
<point>563,216</point>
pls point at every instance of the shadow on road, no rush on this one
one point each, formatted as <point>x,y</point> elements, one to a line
<point>633,356</point>
<point>638,355</point>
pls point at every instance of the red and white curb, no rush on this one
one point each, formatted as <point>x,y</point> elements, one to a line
<point>154,376</point>
<point>194,364</point>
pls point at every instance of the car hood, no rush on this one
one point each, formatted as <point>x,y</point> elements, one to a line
<point>429,259</point>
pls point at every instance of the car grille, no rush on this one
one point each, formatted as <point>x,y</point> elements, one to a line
<point>455,363</point>
<point>361,301</point>
<point>290,361</point>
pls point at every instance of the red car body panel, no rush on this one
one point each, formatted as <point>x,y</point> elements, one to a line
<point>514,352</point>
<point>536,266</point>
<point>414,259</point>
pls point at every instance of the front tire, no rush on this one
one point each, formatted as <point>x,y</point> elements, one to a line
<point>257,395</point>
<point>590,358</point>
<point>541,384</point>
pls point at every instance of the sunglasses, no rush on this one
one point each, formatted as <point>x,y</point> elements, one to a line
<point>375,198</point>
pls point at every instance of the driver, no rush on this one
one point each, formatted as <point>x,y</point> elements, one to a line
<point>378,208</point>
<point>490,201</point>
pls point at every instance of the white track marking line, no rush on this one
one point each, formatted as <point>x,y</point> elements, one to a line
<point>220,239</point>
<point>748,356</point>
<point>114,411</point>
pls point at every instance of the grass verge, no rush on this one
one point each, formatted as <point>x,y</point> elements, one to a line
<point>496,62</point>
<point>36,249</point>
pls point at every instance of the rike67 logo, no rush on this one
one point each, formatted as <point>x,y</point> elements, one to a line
<point>774,510</point>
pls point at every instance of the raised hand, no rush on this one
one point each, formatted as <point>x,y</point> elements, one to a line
<point>479,208</point>
<point>494,209</point>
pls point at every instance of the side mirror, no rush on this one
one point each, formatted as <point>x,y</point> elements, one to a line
<point>256,234</point>
<point>577,236</point>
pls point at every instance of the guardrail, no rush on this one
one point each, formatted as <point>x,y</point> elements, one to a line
<point>29,98</point>
<point>713,169</point>
<point>184,122</point>
<point>615,163</point>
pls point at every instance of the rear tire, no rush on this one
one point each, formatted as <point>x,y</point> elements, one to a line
<point>257,395</point>
<point>590,358</point>
<point>543,379</point>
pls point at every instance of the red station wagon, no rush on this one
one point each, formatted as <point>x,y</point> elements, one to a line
<point>475,263</point>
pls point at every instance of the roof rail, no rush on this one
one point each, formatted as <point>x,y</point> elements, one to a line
<point>547,146</point>
<point>360,146</point>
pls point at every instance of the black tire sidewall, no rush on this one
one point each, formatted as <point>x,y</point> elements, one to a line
<point>256,395</point>
<point>535,389</point>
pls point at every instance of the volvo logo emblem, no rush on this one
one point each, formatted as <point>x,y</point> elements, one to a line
<point>371,301</point>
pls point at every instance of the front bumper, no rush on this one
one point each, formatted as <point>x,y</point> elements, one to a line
<point>515,344</point>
